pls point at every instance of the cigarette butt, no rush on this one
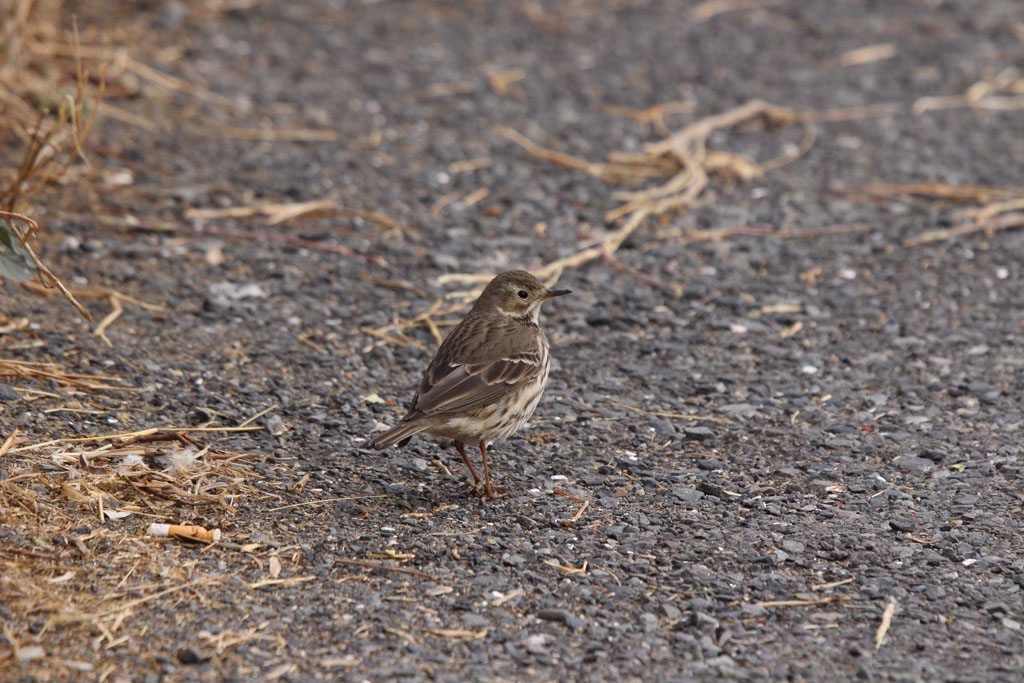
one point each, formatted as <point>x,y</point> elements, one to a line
<point>190,530</point>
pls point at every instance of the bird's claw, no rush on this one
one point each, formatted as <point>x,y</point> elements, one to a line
<point>487,490</point>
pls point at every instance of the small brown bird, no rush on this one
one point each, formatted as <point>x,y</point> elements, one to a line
<point>488,375</point>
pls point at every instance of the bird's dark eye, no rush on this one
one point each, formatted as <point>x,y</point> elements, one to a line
<point>522,294</point>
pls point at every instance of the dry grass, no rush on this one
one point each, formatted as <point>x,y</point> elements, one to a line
<point>669,176</point>
<point>11,368</point>
<point>994,208</point>
<point>78,572</point>
<point>1003,92</point>
<point>78,568</point>
<point>48,104</point>
<point>673,174</point>
<point>53,79</point>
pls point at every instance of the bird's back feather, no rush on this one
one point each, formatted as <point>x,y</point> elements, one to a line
<point>485,357</point>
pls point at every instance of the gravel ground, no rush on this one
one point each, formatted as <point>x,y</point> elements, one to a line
<point>863,447</point>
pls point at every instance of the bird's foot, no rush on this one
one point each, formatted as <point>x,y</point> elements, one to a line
<point>487,490</point>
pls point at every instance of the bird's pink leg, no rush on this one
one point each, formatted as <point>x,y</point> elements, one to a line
<point>489,491</point>
<point>465,458</point>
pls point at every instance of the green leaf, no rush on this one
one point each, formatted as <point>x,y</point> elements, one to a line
<point>15,262</point>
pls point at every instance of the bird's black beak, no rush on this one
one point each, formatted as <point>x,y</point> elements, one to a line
<point>557,292</point>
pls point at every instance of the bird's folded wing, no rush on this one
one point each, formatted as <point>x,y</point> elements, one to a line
<point>466,387</point>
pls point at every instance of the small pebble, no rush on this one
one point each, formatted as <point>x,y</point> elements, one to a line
<point>559,615</point>
<point>190,655</point>
<point>29,653</point>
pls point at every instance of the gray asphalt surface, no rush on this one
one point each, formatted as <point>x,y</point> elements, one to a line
<point>865,449</point>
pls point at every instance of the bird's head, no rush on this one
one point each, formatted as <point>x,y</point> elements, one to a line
<point>517,294</point>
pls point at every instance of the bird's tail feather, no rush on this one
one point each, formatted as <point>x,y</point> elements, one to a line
<point>400,432</point>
